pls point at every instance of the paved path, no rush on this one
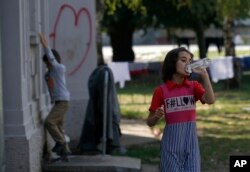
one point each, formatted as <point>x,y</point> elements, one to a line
<point>136,132</point>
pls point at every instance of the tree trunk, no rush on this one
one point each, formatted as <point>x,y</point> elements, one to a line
<point>228,38</point>
<point>201,39</point>
<point>99,17</point>
<point>121,39</point>
<point>230,51</point>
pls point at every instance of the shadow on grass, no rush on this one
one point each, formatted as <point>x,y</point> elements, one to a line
<point>215,152</point>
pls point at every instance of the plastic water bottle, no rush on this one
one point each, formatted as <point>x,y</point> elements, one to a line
<point>203,63</point>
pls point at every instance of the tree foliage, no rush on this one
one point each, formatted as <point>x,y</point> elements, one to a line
<point>186,14</point>
<point>121,19</point>
<point>128,15</point>
<point>235,9</point>
<point>119,10</point>
<point>113,6</point>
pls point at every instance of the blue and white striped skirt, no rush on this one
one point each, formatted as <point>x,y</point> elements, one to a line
<point>180,148</point>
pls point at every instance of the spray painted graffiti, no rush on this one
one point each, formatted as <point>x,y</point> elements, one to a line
<point>72,36</point>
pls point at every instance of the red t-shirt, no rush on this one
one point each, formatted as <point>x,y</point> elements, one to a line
<point>178,99</point>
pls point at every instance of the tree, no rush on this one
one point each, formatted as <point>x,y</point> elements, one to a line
<point>231,10</point>
<point>189,14</point>
<point>202,15</point>
<point>121,18</point>
<point>99,18</point>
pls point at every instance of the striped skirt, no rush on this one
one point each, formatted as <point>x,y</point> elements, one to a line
<point>180,148</point>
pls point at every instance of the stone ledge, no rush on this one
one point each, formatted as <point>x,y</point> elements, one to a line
<point>97,163</point>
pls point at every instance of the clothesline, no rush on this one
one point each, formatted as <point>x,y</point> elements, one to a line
<point>123,71</point>
<point>221,68</point>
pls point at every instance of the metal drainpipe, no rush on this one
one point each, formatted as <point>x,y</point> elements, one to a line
<point>2,164</point>
<point>104,135</point>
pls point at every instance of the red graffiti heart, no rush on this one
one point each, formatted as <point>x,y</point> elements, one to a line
<point>76,35</point>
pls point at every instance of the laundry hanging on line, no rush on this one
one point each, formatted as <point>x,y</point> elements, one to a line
<point>221,68</point>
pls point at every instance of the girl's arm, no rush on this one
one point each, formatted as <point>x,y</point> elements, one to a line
<point>153,117</point>
<point>208,97</point>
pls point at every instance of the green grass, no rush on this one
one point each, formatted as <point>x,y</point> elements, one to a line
<point>223,128</point>
<point>135,98</point>
<point>148,153</point>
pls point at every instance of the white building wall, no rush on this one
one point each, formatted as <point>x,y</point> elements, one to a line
<point>72,33</point>
<point>23,127</point>
<point>25,98</point>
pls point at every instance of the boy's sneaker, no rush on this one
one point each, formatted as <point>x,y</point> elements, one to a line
<point>66,150</point>
<point>58,148</point>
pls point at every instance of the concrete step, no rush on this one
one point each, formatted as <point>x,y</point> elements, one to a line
<point>95,163</point>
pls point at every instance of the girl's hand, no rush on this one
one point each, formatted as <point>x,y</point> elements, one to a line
<point>200,71</point>
<point>208,97</point>
<point>159,112</point>
<point>153,117</point>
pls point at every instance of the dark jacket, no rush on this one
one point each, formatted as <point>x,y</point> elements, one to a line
<point>92,130</point>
